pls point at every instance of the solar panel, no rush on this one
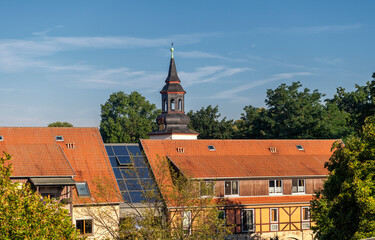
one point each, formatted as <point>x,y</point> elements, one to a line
<point>139,162</point>
<point>117,173</point>
<point>124,160</point>
<point>113,161</point>
<point>126,196</point>
<point>128,173</point>
<point>131,171</point>
<point>137,196</point>
<point>134,150</point>
<point>109,150</point>
<point>121,185</point>
<point>133,184</point>
<point>120,150</point>
<point>143,173</point>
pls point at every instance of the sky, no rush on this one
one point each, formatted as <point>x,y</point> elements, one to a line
<point>60,60</point>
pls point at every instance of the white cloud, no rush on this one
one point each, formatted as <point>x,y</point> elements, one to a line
<point>209,74</point>
<point>312,29</point>
<point>200,55</point>
<point>233,93</point>
<point>18,55</point>
<point>329,61</point>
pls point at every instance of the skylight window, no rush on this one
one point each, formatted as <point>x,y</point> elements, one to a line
<point>300,147</point>
<point>59,138</point>
<point>83,189</point>
<point>211,148</point>
<point>1,138</point>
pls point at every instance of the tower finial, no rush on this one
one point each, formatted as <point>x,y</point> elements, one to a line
<point>172,49</point>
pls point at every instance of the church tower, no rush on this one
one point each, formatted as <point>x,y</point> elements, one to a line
<point>173,122</point>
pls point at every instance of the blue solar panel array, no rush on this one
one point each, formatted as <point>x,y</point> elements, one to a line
<point>131,171</point>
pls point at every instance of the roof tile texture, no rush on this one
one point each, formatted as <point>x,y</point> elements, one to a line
<point>35,152</point>
<point>243,158</point>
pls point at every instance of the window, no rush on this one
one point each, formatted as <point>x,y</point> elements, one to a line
<point>165,105</point>
<point>231,188</point>
<point>221,215</point>
<point>59,138</point>
<point>247,216</point>
<point>172,105</point>
<point>305,212</point>
<point>180,104</point>
<point>1,138</point>
<point>298,185</point>
<point>275,187</point>
<point>84,226</point>
<point>48,195</point>
<point>274,215</point>
<point>274,219</point>
<point>186,221</point>
<point>211,148</point>
<point>207,188</point>
<point>300,147</point>
<point>83,189</point>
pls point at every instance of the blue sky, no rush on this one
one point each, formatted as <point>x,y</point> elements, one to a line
<point>59,60</point>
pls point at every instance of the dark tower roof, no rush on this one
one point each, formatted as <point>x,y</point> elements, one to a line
<point>172,83</point>
<point>173,119</point>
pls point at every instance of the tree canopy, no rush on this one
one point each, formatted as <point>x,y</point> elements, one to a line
<point>358,104</point>
<point>127,117</point>
<point>292,113</point>
<point>60,124</point>
<point>345,208</point>
<point>206,122</point>
<point>25,215</point>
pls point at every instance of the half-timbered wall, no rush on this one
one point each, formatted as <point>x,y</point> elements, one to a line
<point>289,218</point>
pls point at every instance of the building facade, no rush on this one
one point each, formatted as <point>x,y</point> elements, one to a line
<point>66,165</point>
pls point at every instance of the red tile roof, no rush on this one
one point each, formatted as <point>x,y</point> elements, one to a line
<point>242,158</point>
<point>35,152</point>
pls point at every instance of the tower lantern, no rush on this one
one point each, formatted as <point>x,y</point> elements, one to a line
<point>173,122</point>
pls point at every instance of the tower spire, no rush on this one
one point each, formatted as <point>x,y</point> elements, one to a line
<point>173,122</point>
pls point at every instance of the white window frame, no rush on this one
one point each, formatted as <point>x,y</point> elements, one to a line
<point>274,223</point>
<point>186,216</point>
<point>308,212</point>
<point>275,188</point>
<point>277,215</point>
<point>92,223</point>
<point>305,223</point>
<point>253,220</point>
<point>298,187</point>
<point>231,188</point>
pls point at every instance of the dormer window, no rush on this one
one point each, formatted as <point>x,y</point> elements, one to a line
<point>273,149</point>
<point>59,138</point>
<point>83,189</point>
<point>300,147</point>
<point>211,148</point>
<point>1,138</point>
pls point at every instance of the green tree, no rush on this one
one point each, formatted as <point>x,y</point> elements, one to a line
<point>292,113</point>
<point>25,215</point>
<point>126,118</point>
<point>60,124</point>
<point>358,104</point>
<point>206,122</point>
<point>345,208</point>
